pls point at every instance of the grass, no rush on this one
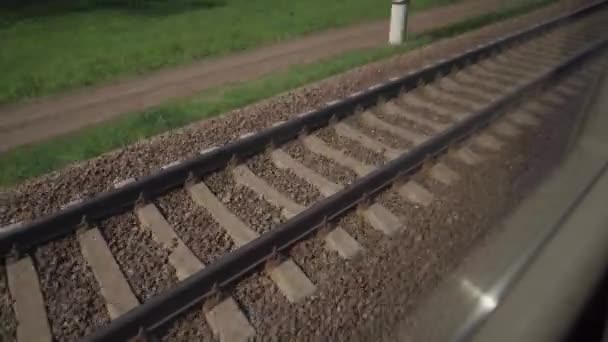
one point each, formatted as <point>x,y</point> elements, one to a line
<point>515,8</point>
<point>46,51</point>
<point>30,161</point>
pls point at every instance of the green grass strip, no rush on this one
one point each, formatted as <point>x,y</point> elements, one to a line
<point>57,46</point>
<point>34,160</point>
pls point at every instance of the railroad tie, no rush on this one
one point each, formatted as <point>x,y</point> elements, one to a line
<point>518,63</point>
<point>556,43</point>
<point>550,51</point>
<point>568,90</point>
<point>415,193</point>
<point>382,219</point>
<point>416,100</point>
<point>522,118</point>
<point>463,82</point>
<point>487,72</point>
<point>379,217</point>
<point>371,120</point>
<point>579,82</point>
<point>180,256</point>
<point>553,98</point>
<point>228,323</point>
<point>435,92</point>
<point>443,174</point>
<point>465,155</point>
<point>575,83</point>
<point>283,160</point>
<point>240,233</point>
<point>343,243</point>
<point>497,75</point>
<point>24,285</point>
<point>244,176</point>
<point>337,240</point>
<point>537,107</point>
<point>530,57</point>
<point>507,72</point>
<point>114,287</point>
<point>292,281</point>
<point>318,146</point>
<point>513,67</point>
<point>225,319</point>
<point>393,108</point>
<point>376,215</point>
<point>558,48</point>
<point>505,129</point>
<point>289,278</point>
<point>486,88</point>
<point>346,131</point>
<point>487,141</point>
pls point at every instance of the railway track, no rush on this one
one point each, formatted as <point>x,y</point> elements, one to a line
<point>268,191</point>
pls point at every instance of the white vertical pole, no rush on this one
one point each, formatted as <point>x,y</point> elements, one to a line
<point>398,22</point>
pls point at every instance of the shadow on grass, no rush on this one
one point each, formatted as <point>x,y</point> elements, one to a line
<point>11,12</point>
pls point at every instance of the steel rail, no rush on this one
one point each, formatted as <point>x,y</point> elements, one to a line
<point>217,276</point>
<point>40,230</point>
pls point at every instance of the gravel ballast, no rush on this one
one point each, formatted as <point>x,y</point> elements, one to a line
<point>323,166</point>
<point>366,297</point>
<point>44,194</point>
<point>284,180</point>
<point>429,114</point>
<point>443,102</point>
<point>467,92</point>
<point>195,226</point>
<point>353,298</point>
<point>8,329</point>
<point>191,326</point>
<point>256,212</point>
<point>363,298</point>
<point>142,260</point>
<point>350,148</point>
<point>405,123</point>
<point>72,297</point>
<point>380,135</point>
